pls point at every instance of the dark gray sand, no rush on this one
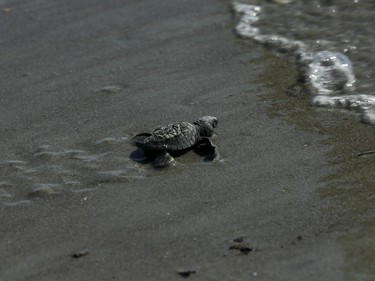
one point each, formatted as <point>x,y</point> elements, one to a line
<point>290,200</point>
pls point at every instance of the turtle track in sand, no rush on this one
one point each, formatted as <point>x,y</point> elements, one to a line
<point>49,171</point>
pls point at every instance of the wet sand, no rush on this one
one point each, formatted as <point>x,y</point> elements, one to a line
<point>79,79</point>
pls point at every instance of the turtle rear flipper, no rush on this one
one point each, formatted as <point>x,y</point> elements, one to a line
<point>164,160</point>
<point>138,139</point>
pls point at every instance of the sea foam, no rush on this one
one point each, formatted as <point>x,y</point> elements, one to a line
<point>329,75</point>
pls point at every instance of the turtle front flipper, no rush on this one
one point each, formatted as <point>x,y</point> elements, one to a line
<point>164,160</point>
<point>211,151</point>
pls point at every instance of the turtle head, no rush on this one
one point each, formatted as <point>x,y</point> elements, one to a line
<point>206,126</point>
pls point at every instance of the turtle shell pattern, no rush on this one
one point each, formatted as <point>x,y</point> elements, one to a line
<point>172,137</point>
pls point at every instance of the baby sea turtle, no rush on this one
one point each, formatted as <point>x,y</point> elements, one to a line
<point>175,139</point>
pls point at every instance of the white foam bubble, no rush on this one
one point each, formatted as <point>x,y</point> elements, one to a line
<point>282,1</point>
<point>330,72</point>
<point>368,116</point>
<point>281,43</point>
<point>249,15</point>
<point>362,102</point>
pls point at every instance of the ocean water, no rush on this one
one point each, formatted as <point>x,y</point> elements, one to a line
<point>331,41</point>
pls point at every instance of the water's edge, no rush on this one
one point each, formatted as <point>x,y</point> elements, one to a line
<point>349,189</point>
